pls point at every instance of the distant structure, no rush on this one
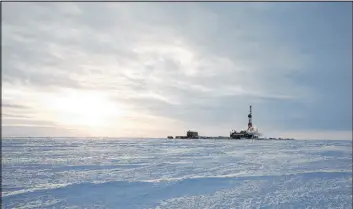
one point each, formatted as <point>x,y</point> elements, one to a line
<point>250,133</point>
<point>189,135</point>
<point>192,134</point>
<point>247,134</point>
<point>250,119</point>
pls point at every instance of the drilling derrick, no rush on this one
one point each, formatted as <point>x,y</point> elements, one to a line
<point>250,119</point>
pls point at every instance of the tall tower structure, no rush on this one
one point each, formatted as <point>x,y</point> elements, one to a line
<point>250,119</point>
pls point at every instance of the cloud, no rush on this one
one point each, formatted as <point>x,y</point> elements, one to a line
<point>76,50</point>
<point>13,116</point>
<point>16,106</point>
<point>185,65</point>
<point>37,131</point>
<point>27,122</point>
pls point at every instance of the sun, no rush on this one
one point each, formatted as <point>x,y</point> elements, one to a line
<point>85,109</point>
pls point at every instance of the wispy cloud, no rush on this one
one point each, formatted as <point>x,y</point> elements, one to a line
<point>16,106</point>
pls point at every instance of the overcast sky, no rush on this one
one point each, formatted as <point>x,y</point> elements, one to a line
<point>158,69</point>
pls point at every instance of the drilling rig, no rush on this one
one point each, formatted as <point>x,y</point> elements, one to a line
<point>245,134</point>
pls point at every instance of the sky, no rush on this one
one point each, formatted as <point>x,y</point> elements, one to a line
<point>158,69</point>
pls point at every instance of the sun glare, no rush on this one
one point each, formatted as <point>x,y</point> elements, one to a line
<point>90,110</point>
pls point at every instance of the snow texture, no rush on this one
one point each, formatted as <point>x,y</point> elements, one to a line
<point>162,173</point>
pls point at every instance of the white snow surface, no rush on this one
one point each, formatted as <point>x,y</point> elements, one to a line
<point>162,173</point>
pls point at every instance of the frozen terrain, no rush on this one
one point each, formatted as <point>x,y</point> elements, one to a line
<point>161,173</point>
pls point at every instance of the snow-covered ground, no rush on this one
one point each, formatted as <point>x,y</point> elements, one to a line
<point>161,173</point>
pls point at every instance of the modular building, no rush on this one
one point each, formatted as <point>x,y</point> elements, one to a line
<point>192,134</point>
